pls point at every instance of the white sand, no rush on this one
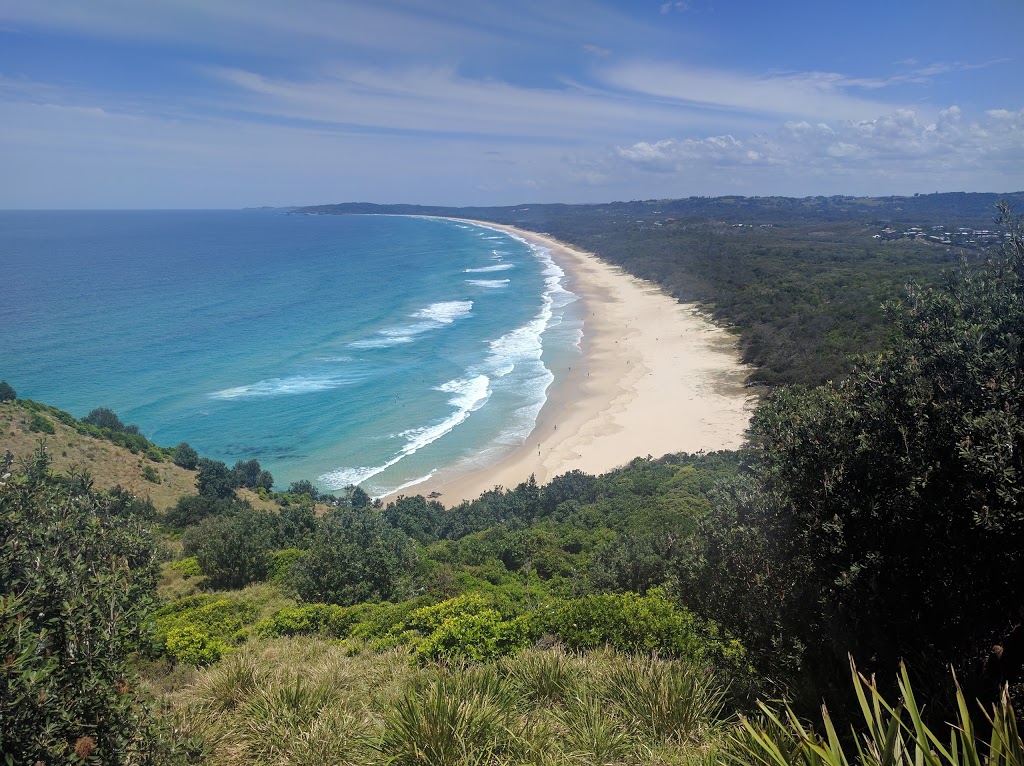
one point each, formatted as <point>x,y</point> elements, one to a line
<point>655,377</point>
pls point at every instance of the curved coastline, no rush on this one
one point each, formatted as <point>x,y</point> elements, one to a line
<point>655,376</point>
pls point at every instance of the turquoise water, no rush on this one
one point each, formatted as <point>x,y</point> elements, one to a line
<point>365,350</point>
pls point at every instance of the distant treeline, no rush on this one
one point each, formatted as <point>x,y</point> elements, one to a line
<point>802,280</point>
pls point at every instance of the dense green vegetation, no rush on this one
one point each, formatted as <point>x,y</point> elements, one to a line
<point>883,516</point>
<point>620,618</point>
<point>79,580</point>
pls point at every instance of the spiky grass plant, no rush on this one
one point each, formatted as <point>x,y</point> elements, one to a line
<point>447,723</point>
<point>666,700</point>
<point>278,718</point>
<point>310,702</point>
<point>336,736</point>
<point>229,683</point>
<point>595,734</point>
<point>545,676</point>
<point>892,736</point>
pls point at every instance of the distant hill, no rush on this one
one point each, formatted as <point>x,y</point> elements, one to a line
<point>108,464</point>
<point>968,208</point>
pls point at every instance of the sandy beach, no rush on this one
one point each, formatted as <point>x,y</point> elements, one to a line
<point>655,376</point>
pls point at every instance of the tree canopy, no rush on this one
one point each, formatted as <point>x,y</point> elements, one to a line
<point>884,517</point>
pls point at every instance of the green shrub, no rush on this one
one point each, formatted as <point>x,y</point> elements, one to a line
<point>383,621</point>
<point>104,417</point>
<point>7,392</point>
<point>77,580</point>
<point>40,425</point>
<point>478,637</point>
<point>628,622</point>
<point>233,550</point>
<point>189,567</point>
<point>149,473</point>
<point>191,509</point>
<point>355,557</point>
<point>186,457</point>
<point>429,618</point>
<point>313,619</point>
<point>202,625</point>
<point>191,645</point>
<point>281,563</point>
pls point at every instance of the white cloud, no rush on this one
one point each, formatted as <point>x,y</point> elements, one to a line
<point>898,145</point>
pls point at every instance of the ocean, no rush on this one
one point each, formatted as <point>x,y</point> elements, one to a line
<point>347,350</point>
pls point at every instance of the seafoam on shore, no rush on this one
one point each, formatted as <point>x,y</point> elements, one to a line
<point>654,376</point>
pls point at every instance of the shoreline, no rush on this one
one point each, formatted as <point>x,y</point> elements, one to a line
<point>655,376</point>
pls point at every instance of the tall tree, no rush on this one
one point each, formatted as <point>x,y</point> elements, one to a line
<point>355,557</point>
<point>77,581</point>
<point>885,517</point>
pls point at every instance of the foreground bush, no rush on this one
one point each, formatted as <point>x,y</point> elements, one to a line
<point>890,735</point>
<point>77,579</point>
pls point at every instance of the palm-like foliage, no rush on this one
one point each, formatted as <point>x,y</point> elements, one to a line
<point>893,735</point>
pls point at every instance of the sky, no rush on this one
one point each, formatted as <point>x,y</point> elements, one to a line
<point>233,103</point>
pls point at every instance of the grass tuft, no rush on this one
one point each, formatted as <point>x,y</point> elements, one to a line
<point>666,699</point>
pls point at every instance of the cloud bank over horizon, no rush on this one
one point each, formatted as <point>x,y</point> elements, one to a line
<point>232,103</point>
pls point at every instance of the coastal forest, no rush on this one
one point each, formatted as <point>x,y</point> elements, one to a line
<point>849,588</point>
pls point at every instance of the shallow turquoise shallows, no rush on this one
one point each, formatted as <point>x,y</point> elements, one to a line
<point>369,350</point>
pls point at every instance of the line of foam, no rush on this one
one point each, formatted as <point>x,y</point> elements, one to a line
<point>495,267</point>
<point>297,384</point>
<point>522,347</point>
<point>433,317</point>
<point>469,395</point>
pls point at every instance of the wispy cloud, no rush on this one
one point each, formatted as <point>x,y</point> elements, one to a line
<point>254,101</point>
<point>810,94</point>
<point>439,100</point>
<point>597,50</point>
<point>918,75</point>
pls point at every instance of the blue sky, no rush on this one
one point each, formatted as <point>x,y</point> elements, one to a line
<point>231,103</point>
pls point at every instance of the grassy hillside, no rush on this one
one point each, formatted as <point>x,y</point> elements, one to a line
<point>109,464</point>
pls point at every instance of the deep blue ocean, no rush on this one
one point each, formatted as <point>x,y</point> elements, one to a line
<point>369,350</point>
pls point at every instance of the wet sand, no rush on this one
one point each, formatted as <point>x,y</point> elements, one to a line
<point>655,376</point>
